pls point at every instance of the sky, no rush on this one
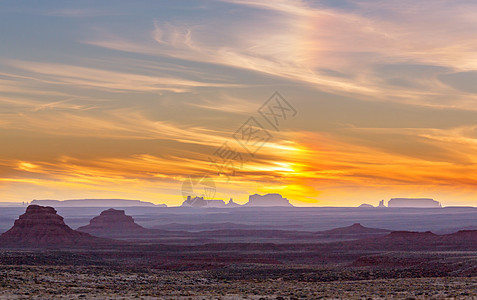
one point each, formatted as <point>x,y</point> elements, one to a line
<point>137,99</point>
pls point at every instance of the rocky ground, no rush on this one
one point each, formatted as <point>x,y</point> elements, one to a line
<point>81,282</point>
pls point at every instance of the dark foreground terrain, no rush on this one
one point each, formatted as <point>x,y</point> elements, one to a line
<point>41,282</point>
<point>125,274</point>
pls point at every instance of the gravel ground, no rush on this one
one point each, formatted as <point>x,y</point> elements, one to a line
<point>69,282</point>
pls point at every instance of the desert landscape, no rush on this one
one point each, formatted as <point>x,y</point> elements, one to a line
<point>114,257</point>
<point>238,149</point>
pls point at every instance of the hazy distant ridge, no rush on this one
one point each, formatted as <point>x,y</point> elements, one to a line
<point>95,203</point>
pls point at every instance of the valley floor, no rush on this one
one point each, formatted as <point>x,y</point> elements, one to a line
<point>92,282</point>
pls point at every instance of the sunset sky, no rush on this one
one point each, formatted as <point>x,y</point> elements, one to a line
<point>127,99</point>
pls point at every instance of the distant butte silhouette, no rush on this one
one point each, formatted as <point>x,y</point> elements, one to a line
<point>355,229</point>
<point>112,222</point>
<point>414,202</point>
<point>268,200</point>
<point>42,227</point>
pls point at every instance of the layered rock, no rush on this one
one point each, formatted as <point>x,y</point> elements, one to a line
<point>42,227</point>
<point>113,223</point>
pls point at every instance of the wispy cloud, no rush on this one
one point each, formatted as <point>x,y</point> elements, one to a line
<point>109,80</point>
<point>304,43</point>
<point>82,12</point>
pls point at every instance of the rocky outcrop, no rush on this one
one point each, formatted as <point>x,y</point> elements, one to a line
<point>42,227</point>
<point>414,202</point>
<point>113,223</point>
<point>268,200</point>
<point>201,202</point>
<point>356,228</point>
<point>232,203</point>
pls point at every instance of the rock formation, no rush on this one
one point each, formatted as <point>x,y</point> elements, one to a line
<point>201,202</point>
<point>113,223</point>
<point>42,227</point>
<point>267,200</point>
<point>354,230</point>
<point>366,205</point>
<point>413,202</point>
<point>232,203</point>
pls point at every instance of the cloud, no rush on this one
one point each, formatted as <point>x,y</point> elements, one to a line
<point>108,80</point>
<point>462,81</point>
<point>228,103</point>
<point>287,7</point>
<point>82,13</point>
<point>309,44</point>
